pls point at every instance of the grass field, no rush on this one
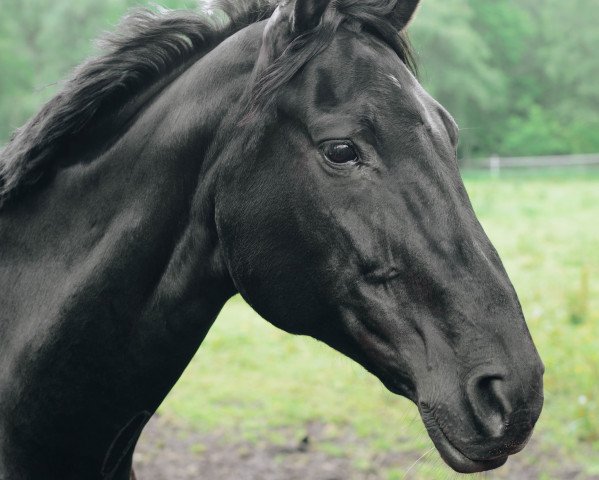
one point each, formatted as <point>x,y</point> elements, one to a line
<point>249,379</point>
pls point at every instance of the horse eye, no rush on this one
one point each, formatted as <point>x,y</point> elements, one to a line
<point>339,152</point>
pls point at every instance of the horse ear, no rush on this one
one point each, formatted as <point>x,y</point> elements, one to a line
<point>403,13</point>
<point>307,14</point>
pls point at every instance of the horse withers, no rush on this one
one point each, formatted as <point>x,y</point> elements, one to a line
<point>288,154</point>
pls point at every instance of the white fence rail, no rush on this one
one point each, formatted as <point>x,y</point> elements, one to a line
<point>495,163</point>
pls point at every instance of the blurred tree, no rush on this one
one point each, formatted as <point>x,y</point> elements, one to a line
<point>456,65</point>
<point>563,54</point>
<point>517,75</point>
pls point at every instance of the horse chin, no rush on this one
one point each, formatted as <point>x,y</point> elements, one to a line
<point>452,456</point>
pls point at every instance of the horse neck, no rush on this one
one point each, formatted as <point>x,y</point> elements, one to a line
<point>116,261</point>
<point>146,197</point>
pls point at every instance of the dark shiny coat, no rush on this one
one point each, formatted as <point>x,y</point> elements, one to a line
<point>193,161</point>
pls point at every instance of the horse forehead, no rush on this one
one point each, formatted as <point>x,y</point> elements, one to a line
<point>360,57</point>
<point>363,70</point>
<point>359,65</point>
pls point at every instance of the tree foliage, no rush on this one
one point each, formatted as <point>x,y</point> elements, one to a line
<point>519,75</point>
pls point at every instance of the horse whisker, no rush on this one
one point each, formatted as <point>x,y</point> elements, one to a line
<point>418,460</point>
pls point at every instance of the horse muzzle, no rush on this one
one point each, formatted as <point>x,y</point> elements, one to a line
<point>493,420</point>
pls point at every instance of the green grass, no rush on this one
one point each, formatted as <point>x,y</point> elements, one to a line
<point>547,232</point>
<point>249,378</point>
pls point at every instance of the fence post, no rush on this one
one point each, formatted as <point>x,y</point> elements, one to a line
<point>495,165</point>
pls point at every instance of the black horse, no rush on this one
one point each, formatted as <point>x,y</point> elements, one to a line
<point>288,154</point>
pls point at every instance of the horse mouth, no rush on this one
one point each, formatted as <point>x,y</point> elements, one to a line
<point>452,455</point>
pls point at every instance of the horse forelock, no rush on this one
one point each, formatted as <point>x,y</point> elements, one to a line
<point>374,16</point>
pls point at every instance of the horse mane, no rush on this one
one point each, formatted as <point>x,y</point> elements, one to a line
<point>145,46</point>
<point>149,44</point>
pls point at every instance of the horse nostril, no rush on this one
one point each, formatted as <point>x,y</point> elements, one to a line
<point>486,394</point>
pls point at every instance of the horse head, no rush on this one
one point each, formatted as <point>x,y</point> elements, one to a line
<point>342,216</point>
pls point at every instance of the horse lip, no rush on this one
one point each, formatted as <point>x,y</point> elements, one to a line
<point>451,454</point>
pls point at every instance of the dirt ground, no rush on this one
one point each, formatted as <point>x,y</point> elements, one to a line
<point>170,452</point>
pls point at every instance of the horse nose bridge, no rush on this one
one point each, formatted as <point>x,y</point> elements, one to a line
<point>476,271</point>
<point>471,246</point>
